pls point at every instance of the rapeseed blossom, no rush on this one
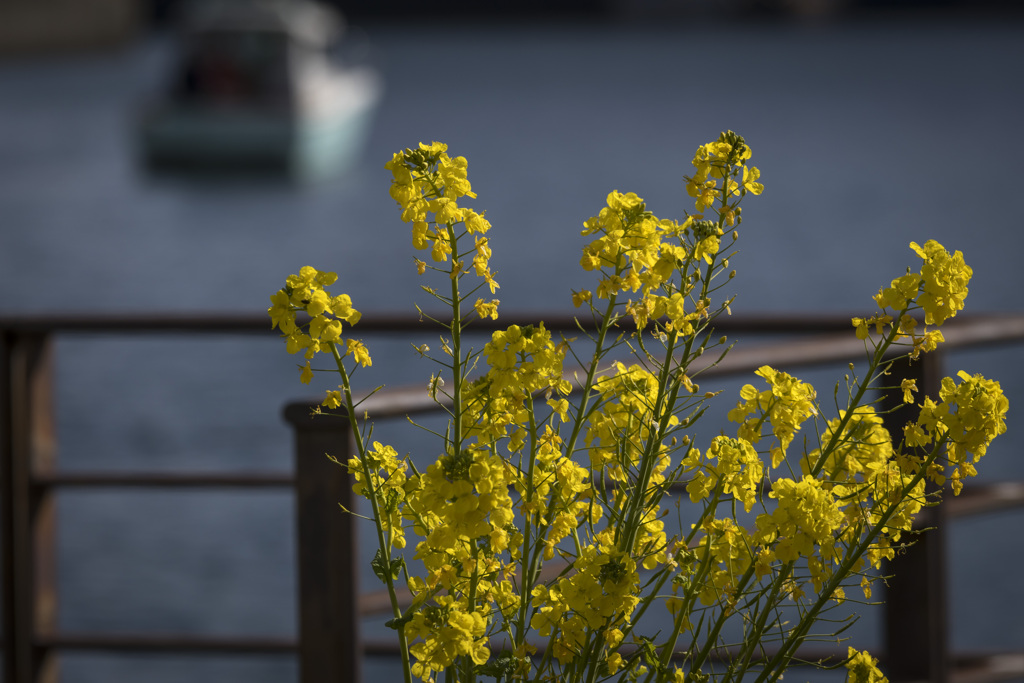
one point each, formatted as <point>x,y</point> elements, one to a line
<point>549,509</point>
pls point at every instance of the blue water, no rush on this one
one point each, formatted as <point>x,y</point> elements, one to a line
<point>868,137</point>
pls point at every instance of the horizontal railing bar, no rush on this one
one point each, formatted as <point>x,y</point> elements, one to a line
<point>142,322</point>
<point>981,328</point>
<point>980,498</point>
<point>259,322</point>
<point>987,667</point>
<point>168,643</point>
<point>379,601</point>
<point>164,480</point>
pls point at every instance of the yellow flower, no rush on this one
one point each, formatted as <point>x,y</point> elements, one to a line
<point>487,309</point>
<point>483,255</point>
<point>420,233</point>
<point>908,386</point>
<point>491,283</point>
<point>333,399</point>
<point>750,184</point>
<point>281,313</point>
<point>902,291</point>
<point>325,329</point>
<point>341,307</point>
<point>706,194</point>
<point>434,147</point>
<point>358,351</point>
<point>475,222</point>
<point>706,248</point>
<point>453,175</point>
<point>445,210</point>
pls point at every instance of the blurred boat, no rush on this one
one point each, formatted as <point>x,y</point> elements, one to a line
<point>257,90</point>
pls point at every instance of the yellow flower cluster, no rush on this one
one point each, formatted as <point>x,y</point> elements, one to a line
<point>462,509</point>
<point>944,281</point>
<point>447,630</point>
<point>731,465</point>
<point>601,593</point>
<point>427,182</point>
<point>939,290</point>
<point>723,160</point>
<point>637,252</point>
<point>656,259</point>
<point>970,415</point>
<point>520,362</point>
<point>616,434</point>
<point>728,546</point>
<point>628,248</point>
<point>307,293</point>
<point>456,501</point>
<point>807,515</point>
<point>862,447</point>
<point>786,405</point>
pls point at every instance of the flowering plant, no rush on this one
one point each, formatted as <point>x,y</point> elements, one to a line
<point>541,526</point>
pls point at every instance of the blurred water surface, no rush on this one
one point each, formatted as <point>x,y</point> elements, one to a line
<point>868,137</point>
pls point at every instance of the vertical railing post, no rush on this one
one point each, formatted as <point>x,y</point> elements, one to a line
<point>916,599</point>
<point>29,515</point>
<point>329,647</point>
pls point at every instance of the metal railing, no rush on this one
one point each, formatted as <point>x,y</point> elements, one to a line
<point>330,603</point>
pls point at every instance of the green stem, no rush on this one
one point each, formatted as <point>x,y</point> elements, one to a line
<point>456,331</point>
<point>385,549</point>
<point>527,559</point>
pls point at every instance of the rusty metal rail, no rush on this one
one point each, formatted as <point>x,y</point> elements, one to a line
<point>328,645</point>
